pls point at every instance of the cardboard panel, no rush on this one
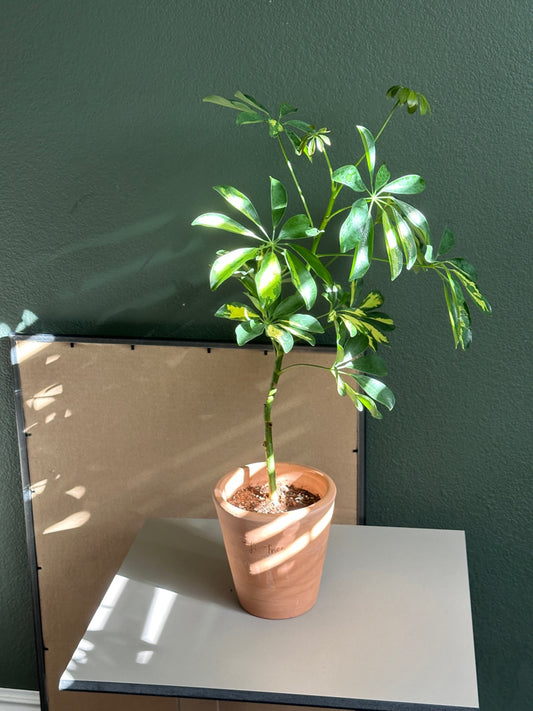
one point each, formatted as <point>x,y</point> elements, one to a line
<point>116,433</point>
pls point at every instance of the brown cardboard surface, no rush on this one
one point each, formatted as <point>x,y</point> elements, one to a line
<point>116,434</point>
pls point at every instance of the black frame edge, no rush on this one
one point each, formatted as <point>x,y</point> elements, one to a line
<point>361,468</point>
<point>29,524</point>
<point>26,486</point>
<point>256,697</point>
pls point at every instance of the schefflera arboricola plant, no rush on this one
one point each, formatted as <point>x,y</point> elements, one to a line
<point>285,267</point>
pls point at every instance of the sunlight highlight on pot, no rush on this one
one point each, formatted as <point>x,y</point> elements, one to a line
<point>273,560</point>
<point>273,528</point>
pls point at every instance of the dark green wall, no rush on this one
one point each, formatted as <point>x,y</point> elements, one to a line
<point>108,153</point>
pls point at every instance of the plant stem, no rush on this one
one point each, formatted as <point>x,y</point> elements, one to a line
<point>335,190</point>
<point>378,134</point>
<point>295,179</point>
<point>269,445</point>
<point>338,212</point>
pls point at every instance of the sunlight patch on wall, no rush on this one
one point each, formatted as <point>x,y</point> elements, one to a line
<point>38,487</point>
<point>45,397</point>
<point>76,520</point>
<point>28,349</point>
<point>77,492</point>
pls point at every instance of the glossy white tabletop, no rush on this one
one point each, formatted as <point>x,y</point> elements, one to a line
<point>391,629</point>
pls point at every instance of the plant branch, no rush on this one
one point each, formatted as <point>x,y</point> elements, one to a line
<point>378,134</point>
<point>295,179</point>
<point>335,189</point>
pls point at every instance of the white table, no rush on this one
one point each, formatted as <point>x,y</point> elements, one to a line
<point>391,629</point>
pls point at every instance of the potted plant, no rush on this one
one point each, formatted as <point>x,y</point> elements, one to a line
<point>302,277</point>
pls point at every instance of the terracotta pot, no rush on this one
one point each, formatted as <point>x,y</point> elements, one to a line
<point>276,559</point>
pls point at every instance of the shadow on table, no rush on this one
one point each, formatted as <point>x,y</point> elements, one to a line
<point>182,556</point>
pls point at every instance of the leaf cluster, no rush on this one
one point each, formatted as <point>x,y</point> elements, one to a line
<point>284,266</point>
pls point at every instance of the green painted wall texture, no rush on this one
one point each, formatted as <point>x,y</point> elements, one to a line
<point>108,153</point>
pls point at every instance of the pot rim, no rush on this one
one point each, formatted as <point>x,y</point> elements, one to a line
<point>324,502</point>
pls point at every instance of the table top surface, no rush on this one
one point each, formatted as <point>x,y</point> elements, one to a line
<point>391,629</point>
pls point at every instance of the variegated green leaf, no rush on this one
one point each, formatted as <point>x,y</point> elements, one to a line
<point>247,117</point>
<point>247,331</point>
<point>361,324</point>
<point>415,218</point>
<point>406,185</point>
<point>446,242</point>
<point>407,239</point>
<point>278,201</point>
<point>379,320</point>
<point>246,98</point>
<point>274,128</point>
<point>465,267</point>
<point>423,104</point>
<point>228,103</point>
<point>361,401</point>
<point>474,292</point>
<point>428,254</point>
<point>394,251</point>
<point>287,307</point>
<point>350,324</point>
<point>412,99</point>
<point>350,176</point>
<point>376,389</point>
<point>458,313</point>
<point>354,230</point>
<point>295,228</point>
<point>455,290</point>
<point>268,279</point>
<point>306,322</point>
<point>341,385</point>
<point>300,125</point>
<point>285,109</point>
<point>241,203</point>
<point>452,313</point>
<point>370,149</point>
<point>297,332</point>
<point>372,300</point>
<point>281,336</point>
<point>382,177</point>
<point>313,262</point>
<point>371,365</point>
<point>223,222</point>
<point>294,138</point>
<point>235,311</point>
<point>302,279</point>
<point>357,235</point>
<point>228,263</point>
<point>352,349</point>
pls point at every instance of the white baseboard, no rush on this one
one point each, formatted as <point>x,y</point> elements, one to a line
<point>19,700</point>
